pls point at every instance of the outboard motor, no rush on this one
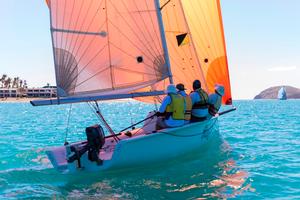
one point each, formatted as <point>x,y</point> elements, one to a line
<point>95,141</point>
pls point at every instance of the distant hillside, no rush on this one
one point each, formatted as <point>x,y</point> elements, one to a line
<point>271,93</point>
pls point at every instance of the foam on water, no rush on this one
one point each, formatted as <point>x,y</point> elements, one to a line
<point>257,155</point>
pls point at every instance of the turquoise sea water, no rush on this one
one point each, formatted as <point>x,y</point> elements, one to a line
<point>257,156</point>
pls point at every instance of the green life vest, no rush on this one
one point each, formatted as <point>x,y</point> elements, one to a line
<point>176,107</point>
<point>203,103</point>
<point>188,108</point>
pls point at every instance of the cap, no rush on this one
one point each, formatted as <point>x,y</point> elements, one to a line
<point>180,87</point>
<point>220,89</point>
<point>171,89</point>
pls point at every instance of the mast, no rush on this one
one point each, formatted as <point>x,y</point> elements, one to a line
<point>163,39</point>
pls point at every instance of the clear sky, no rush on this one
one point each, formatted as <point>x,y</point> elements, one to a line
<point>262,37</point>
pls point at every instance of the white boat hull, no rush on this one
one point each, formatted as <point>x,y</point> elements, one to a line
<point>142,148</point>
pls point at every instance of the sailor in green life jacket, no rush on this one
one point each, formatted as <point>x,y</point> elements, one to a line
<point>215,100</point>
<point>171,111</point>
<point>187,103</point>
<point>200,103</point>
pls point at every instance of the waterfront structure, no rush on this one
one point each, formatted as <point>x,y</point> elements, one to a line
<point>41,92</point>
<point>47,91</point>
<point>10,92</point>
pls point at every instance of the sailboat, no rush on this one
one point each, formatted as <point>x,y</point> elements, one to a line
<point>119,49</point>
<point>282,94</point>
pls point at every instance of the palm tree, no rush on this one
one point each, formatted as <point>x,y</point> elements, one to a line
<point>21,83</point>
<point>8,82</point>
<point>14,82</point>
<point>1,81</point>
<point>24,83</point>
<point>17,82</point>
<point>4,76</point>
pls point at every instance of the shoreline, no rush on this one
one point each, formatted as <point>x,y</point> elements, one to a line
<point>27,100</point>
<point>17,100</point>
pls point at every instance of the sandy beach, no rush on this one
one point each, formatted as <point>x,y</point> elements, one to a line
<point>16,100</point>
<point>27,100</point>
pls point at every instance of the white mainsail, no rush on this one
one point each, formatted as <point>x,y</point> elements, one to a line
<point>106,46</point>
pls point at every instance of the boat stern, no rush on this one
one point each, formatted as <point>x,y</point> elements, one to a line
<point>57,157</point>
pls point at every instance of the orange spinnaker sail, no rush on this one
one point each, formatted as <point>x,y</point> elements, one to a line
<point>205,24</point>
<point>196,45</point>
<point>48,3</point>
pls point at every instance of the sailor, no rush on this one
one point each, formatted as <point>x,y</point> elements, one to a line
<point>187,103</point>
<point>171,111</point>
<point>200,103</point>
<point>215,100</point>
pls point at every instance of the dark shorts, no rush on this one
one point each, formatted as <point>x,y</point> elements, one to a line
<point>160,123</point>
<point>197,119</point>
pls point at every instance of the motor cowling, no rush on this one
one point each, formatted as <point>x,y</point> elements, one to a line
<point>95,141</point>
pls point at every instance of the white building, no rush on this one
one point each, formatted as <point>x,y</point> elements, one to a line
<point>46,92</point>
<point>10,92</point>
<point>41,92</point>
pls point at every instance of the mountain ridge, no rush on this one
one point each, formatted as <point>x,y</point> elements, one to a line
<point>271,92</point>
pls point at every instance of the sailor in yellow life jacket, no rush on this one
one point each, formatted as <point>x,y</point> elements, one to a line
<point>171,111</point>
<point>215,100</point>
<point>187,103</point>
<point>200,103</point>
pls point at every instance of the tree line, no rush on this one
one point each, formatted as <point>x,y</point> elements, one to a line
<point>8,82</point>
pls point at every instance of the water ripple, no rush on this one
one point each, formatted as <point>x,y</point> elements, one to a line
<point>258,156</point>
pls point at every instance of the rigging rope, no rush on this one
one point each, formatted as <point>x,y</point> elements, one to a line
<point>130,112</point>
<point>102,120</point>
<point>155,103</point>
<point>68,121</point>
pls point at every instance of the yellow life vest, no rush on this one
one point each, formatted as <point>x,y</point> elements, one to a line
<point>176,107</point>
<point>203,103</point>
<point>188,108</point>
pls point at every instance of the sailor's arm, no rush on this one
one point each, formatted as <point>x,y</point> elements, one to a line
<point>194,97</point>
<point>166,101</point>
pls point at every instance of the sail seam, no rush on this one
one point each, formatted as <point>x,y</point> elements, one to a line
<point>109,50</point>
<point>151,18</point>
<point>86,49</point>
<point>143,34</point>
<point>134,32</point>
<point>191,73</point>
<point>147,56</point>
<point>146,26</point>
<point>73,38</point>
<point>61,39</point>
<point>88,64</point>
<point>147,65</point>
<point>193,44</point>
